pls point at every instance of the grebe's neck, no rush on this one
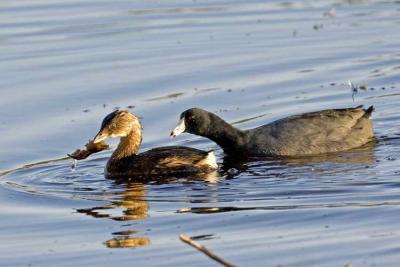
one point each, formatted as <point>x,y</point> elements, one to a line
<point>128,145</point>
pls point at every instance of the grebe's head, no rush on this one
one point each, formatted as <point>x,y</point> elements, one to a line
<point>119,123</point>
<point>194,121</point>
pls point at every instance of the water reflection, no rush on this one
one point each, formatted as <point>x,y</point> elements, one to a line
<point>209,177</point>
<point>127,241</point>
<point>134,204</point>
<point>363,155</point>
<point>208,210</point>
<point>134,207</point>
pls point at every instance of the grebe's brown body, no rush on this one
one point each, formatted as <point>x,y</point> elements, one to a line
<point>126,160</point>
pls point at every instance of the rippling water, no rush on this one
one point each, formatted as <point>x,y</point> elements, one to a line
<point>65,65</point>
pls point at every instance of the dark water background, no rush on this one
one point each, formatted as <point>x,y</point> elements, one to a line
<point>66,64</point>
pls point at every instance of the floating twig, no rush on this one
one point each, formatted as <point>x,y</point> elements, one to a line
<point>203,249</point>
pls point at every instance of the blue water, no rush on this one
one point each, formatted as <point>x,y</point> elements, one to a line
<point>65,65</point>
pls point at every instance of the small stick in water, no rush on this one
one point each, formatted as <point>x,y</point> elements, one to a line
<point>203,249</point>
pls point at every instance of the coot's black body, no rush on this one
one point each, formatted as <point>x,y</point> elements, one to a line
<point>312,133</point>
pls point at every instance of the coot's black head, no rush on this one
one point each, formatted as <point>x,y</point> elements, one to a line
<point>117,124</point>
<point>195,121</point>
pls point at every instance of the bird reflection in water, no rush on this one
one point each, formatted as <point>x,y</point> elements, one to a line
<point>364,155</point>
<point>291,168</point>
<point>135,207</point>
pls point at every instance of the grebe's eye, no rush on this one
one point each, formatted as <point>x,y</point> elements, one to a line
<point>191,118</point>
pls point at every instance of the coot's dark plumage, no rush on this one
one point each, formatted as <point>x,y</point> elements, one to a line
<point>125,161</point>
<point>312,133</point>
